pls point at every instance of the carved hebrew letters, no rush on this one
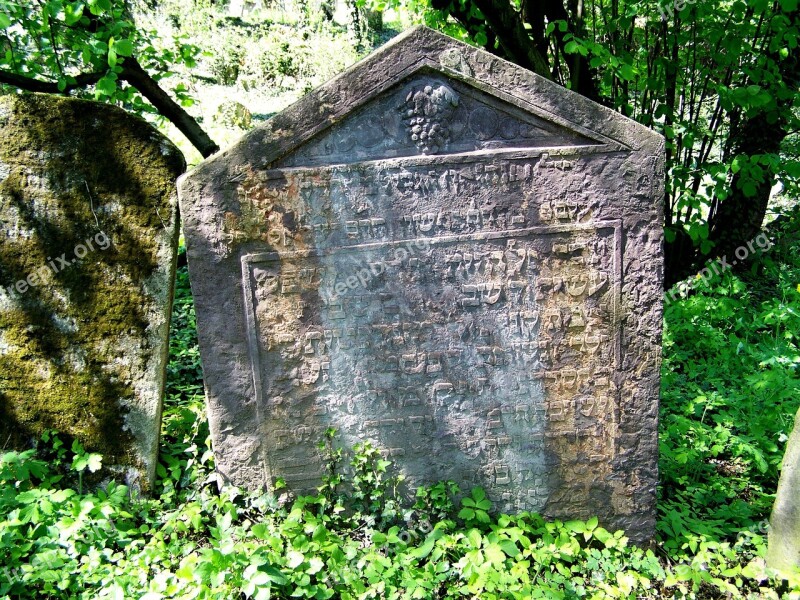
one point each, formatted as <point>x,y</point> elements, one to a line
<point>458,336</point>
<point>442,254</point>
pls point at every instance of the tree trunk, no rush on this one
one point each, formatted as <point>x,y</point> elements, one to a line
<point>737,220</point>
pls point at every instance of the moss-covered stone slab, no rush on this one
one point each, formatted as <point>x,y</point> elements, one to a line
<point>88,239</point>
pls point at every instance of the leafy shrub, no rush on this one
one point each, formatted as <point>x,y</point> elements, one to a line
<point>730,384</point>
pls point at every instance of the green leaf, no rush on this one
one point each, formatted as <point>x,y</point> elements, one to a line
<point>95,462</point>
<point>509,548</point>
<point>274,574</point>
<point>294,559</point>
<point>73,12</point>
<point>627,72</point>
<point>315,566</point>
<point>474,537</point>
<point>98,7</point>
<point>466,513</point>
<point>576,526</point>
<point>478,494</point>
<point>378,538</point>
<point>5,20</point>
<point>107,86</point>
<point>484,504</point>
<point>749,189</point>
<point>123,47</point>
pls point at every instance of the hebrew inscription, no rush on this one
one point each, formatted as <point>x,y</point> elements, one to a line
<point>446,345</point>
<point>442,254</point>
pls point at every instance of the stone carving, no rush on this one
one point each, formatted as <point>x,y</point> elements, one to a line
<point>427,112</point>
<point>483,306</point>
<point>89,227</point>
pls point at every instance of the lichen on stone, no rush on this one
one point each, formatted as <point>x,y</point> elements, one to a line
<point>87,207</point>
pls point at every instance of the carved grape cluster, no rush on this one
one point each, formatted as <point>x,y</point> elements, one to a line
<point>426,112</point>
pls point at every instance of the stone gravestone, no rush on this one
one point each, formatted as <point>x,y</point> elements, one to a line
<point>89,228</point>
<point>783,551</point>
<point>447,255</point>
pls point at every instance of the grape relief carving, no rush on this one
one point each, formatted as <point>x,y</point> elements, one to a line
<point>426,112</point>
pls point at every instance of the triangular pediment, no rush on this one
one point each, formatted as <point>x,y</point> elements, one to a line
<point>464,100</point>
<point>431,114</point>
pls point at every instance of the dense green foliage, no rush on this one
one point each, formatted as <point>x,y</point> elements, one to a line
<point>718,78</point>
<point>730,387</point>
<point>70,44</point>
<point>731,349</point>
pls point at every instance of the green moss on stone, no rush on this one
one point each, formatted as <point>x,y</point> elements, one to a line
<point>70,170</point>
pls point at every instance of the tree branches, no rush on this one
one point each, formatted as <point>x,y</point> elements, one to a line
<point>134,74</point>
<point>31,84</point>
<point>511,34</point>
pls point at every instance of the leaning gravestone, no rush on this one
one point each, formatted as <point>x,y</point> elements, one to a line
<point>783,551</point>
<point>89,228</point>
<point>447,255</point>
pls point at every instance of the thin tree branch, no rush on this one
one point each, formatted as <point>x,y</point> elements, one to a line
<point>133,73</point>
<point>31,84</point>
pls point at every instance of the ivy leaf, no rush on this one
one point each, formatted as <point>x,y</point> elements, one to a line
<point>5,20</point>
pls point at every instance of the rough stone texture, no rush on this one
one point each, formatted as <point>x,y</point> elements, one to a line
<point>445,254</point>
<point>784,535</point>
<point>84,350</point>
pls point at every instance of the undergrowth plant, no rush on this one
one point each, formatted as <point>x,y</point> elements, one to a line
<point>730,386</point>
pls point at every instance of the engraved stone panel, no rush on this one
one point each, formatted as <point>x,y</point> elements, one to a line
<point>444,254</point>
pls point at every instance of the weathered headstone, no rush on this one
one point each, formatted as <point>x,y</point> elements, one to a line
<point>445,254</point>
<point>783,552</point>
<point>89,228</point>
